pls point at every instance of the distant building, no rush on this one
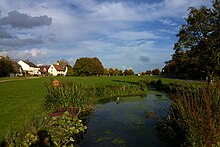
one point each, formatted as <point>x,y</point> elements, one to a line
<point>29,67</point>
<point>44,69</point>
<point>56,69</point>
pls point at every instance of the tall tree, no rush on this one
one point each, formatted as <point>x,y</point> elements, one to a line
<point>199,39</point>
<point>5,66</point>
<point>88,67</point>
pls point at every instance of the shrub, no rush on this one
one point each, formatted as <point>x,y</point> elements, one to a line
<point>65,130</point>
<point>54,131</point>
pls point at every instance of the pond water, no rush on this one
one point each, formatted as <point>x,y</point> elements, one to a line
<point>129,121</point>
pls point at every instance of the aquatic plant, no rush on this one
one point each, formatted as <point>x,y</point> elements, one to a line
<point>66,95</point>
<point>195,115</point>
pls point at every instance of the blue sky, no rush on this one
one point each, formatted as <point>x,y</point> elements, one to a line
<point>123,34</point>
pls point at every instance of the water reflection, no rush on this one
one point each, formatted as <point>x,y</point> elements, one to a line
<point>127,121</point>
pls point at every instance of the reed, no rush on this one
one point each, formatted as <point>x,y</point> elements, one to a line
<point>66,94</point>
<point>195,115</point>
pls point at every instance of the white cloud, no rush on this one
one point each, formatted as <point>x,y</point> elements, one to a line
<point>118,32</point>
<point>134,35</point>
<point>168,22</point>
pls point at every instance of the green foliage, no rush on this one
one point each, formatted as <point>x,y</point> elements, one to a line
<point>156,71</point>
<point>70,95</point>
<point>22,99</point>
<point>115,91</point>
<point>144,84</point>
<point>88,67</point>
<point>54,131</point>
<point>113,72</point>
<point>128,72</point>
<point>65,129</point>
<point>197,51</point>
<point>66,95</point>
<point>194,115</point>
<point>148,72</point>
<point>5,67</point>
<point>69,71</point>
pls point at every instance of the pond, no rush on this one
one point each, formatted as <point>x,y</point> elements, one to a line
<point>129,121</point>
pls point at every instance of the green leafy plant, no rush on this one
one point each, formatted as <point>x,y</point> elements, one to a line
<point>65,130</point>
<point>55,131</point>
<point>66,95</point>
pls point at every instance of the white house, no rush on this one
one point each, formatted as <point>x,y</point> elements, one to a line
<point>56,69</point>
<point>29,67</point>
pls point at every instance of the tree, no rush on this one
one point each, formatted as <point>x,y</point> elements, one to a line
<point>106,72</point>
<point>116,72</point>
<point>5,67</point>
<point>148,72</point>
<point>88,67</point>
<point>128,72</point>
<point>111,71</point>
<point>69,70</point>
<point>156,71</point>
<point>120,72</point>
<point>198,49</point>
<point>131,72</point>
<point>63,62</point>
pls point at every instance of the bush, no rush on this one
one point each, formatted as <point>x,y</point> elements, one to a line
<point>54,131</point>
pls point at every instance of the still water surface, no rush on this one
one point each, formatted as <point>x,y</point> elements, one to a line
<point>128,122</point>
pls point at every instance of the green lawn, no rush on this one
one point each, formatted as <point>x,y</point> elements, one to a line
<point>22,99</point>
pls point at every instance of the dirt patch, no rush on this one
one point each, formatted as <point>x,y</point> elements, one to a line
<point>60,112</point>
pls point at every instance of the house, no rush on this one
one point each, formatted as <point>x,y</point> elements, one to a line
<point>44,69</point>
<point>56,69</point>
<point>16,69</point>
<point>29,67</point>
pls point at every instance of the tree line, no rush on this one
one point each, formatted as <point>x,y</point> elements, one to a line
<point>83,67</point>
<point>93,67</point>
<point>197,51</point>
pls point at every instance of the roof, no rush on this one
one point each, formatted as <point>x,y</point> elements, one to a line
<point>29,63</point>
<point>16,67</point>
<point>44,68</point>
<point>59,67</point>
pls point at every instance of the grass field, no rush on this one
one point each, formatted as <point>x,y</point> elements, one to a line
<point>22,99</point>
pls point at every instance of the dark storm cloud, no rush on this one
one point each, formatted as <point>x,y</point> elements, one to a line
<point>144,59</point>
<point>17,20</point>
<point>21,20</point>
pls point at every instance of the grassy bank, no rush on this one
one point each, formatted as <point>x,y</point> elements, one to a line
<point>23,99</point>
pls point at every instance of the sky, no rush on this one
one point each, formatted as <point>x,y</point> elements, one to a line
<point>123,34</point>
